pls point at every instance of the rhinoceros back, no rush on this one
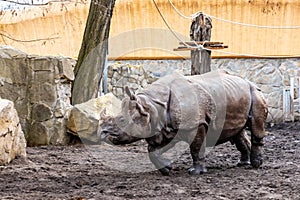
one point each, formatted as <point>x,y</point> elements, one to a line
<point>231,94</point>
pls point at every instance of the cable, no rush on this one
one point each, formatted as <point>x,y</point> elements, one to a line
<point>254,25</point>
<point>229,21</point>
<point>199,46</point>
<point>250,55</point>
<point>169,27</point>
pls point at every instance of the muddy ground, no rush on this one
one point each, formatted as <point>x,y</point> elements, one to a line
<point>72,173</point>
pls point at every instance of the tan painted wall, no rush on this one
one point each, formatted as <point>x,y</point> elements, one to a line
<point>65,23</point>
<point>136,26</point>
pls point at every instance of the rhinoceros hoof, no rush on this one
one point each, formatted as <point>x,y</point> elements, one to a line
<point>257,161</point>
<point>242,163</point>
<point>196,170</point>
<point>165,171</point>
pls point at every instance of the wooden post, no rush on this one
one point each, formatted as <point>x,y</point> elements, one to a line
<point>200,31</point>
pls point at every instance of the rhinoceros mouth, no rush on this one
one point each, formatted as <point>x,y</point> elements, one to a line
<point>106,133</point>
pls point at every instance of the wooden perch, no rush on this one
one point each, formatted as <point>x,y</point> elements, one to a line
<point>207,45</point>
<point>200,42</point>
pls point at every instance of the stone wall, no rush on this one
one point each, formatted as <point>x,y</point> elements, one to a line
<point>271,75</point>
<point>40,88</point>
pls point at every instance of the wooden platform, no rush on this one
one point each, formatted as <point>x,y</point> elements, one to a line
<point>193,45</point>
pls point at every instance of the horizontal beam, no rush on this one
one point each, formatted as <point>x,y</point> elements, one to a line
<point>193,49</point>
<point>200,42</point>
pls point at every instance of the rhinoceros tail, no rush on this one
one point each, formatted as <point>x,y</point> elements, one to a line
<point>250,115</point>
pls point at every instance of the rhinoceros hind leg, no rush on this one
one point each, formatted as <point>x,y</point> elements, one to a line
<point>257,142</point>
<point>197,149</point>
<point>256,157</point>
<point>243,145</point>
<point>257,127</point>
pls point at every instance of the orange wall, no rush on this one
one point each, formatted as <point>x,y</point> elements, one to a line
<point>137,31</point>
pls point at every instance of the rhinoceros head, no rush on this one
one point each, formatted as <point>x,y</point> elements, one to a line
<point>112,133</point>
<point>132,124</point>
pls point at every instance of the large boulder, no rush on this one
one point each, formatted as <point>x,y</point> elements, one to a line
<point>12,140</point>
<point>84,118</point>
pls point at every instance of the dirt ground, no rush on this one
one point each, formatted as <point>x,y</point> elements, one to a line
<point>72,173</point>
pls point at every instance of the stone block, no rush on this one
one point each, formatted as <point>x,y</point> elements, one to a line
<point>42,63</point>
<point>14,71</point>
<point>44,92</point>
<point>40,77</point>
<point>66,69</point>
<point>84,118</point>
<point>39,134</point>
<point>61,108</point>
<point>12,140</point>
<point>274,99</point>
<point>9,52</point>
<point>41,112</point>
<point>59,135</point>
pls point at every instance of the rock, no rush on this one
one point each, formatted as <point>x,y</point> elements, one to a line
<point>39,135</point>
<point>58,132</point>
<point>12,140</point>
<point>41,112</point>
<point>43,92</point>
<point>40,88</point>
<point>66,69</point>
<point>84,118</point>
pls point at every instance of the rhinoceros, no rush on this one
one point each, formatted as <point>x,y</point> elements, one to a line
<point>202,110</point>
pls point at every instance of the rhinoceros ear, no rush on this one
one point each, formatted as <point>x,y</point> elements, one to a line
<point>130,93</point>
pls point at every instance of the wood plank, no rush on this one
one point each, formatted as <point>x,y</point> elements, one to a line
<point>193,49</point>
<point>200,42</point>
<point>208,47</point>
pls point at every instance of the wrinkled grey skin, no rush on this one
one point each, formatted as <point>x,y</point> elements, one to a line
<point>203,110</point>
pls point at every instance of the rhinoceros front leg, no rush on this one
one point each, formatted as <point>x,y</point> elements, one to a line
<point>197,149</point>
<point>160,163</point>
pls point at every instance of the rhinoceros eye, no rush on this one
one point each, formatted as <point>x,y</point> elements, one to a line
<point>122,121</point>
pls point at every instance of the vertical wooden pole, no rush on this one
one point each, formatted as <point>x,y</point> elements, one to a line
<point>200,31</point>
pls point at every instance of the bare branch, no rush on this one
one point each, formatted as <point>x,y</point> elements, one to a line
<point>25,41</point>
<point>37,4</point>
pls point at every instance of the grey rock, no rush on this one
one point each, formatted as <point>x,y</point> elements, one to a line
<point>84,118</point>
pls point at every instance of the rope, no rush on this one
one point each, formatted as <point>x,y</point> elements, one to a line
<point>173,32</point>
<point>229,21</point>
<point>199,46</point>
